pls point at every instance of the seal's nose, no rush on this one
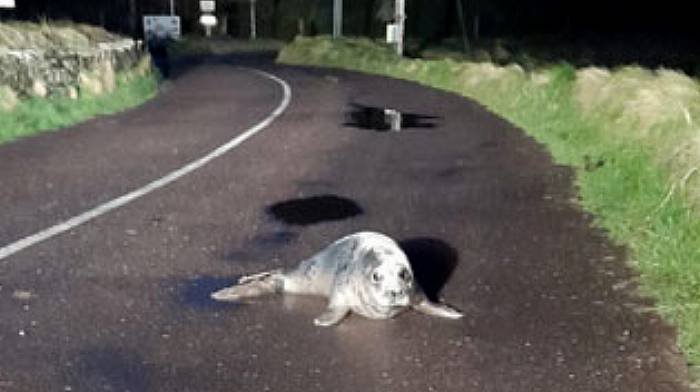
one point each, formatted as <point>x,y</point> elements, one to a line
<point>394,294</point>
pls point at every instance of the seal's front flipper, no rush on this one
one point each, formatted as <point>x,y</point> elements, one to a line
<point>437,309</point>
<point>332,316</point>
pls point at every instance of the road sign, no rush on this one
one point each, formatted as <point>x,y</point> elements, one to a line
<point>161,26</point>
<point>391,33</point>
<point>207,6</point>
<point>207,20</point>
<point>7,3</point>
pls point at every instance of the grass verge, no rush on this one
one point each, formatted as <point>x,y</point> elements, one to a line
<point>35,115</point>
<point>630,133</point>
<point>197,45</point>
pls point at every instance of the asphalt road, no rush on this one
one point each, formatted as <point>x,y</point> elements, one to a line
<point>120,303</point>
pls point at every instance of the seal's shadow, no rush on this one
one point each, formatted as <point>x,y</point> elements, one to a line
<point>433,262</point>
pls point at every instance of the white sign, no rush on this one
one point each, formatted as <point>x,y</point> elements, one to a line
<point>207,20</point>
<point>207,5</point>
<point>7,3</point>
<point>392,33</point>
<point>161,26</point>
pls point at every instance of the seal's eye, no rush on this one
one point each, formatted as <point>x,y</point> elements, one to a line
<point>405,275</point>
<point>376,277</point>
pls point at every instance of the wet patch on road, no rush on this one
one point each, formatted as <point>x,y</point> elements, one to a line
<point>275,238</point>
<point>240,256</point>
<point>315,209</point>
<point>386,119</point>
<point>433,262</point>
<point>110,369</point>
<point>196,293</point>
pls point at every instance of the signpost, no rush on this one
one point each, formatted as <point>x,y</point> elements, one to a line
<point>400,21</point>
<point>395,30</point>
<point>161,27</point>
<point>207,19</point>
<point>391,33</point>
<point>207,6</point>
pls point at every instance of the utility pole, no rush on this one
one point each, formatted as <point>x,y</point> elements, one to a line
<point>253,27</point>
<point>337,18</point>
<point>400,21</point>
<point>172,7</point>
<point>463,27</point>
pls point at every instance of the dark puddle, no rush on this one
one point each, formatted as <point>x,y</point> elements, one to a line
<point>315,209</point>
<point>196,293</point>
<point>111,369</point>
<point>433,262</point>
<point>385,119</point>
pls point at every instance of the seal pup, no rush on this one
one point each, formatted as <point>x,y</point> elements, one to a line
<point>366,273</point>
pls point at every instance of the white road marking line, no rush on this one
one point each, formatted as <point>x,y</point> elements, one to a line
<point>159,183</point>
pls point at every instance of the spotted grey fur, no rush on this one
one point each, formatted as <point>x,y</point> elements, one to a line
<point>366,273</point>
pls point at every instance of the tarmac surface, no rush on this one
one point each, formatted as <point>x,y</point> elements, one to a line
<point>121,303</point>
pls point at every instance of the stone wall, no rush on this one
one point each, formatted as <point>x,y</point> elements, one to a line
<point>65,71</point>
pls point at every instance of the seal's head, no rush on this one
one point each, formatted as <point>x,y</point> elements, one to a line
<point>390,277</point>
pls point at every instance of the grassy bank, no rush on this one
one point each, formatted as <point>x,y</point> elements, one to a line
<point>630,133</point>
<point>197,45</point>
<point>29,108</point>
<point>35,115</point>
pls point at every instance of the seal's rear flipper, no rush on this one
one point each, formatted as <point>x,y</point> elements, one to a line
<point>260,276</point>
<point>251,286</point>
<point>437,309</point>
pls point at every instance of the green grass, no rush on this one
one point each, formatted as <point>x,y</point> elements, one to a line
<point>35,115</point>
<point>620,132</point>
